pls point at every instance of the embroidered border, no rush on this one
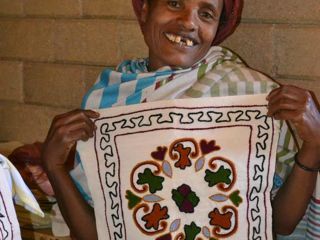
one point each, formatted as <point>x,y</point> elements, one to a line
<point>146,120</point>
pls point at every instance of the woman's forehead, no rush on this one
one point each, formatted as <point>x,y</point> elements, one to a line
<point>213,2</point>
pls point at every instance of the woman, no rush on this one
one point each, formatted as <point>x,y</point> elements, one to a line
<point>182,63</point>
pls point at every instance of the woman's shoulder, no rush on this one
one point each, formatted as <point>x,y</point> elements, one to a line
<point>236,69</point>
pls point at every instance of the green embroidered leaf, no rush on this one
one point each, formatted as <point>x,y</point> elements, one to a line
<point>191,231</point>
<point>133,200</point>
<point>221,176</point>
<point>177,197</point>
<point>154,182</point>
<point>193,198</point>
<point>235,198</point>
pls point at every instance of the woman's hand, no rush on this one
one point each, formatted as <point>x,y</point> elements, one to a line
<point>66,129</point>
<point>297,106</point>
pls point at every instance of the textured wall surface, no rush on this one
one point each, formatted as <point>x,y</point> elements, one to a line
<point>51,51</point>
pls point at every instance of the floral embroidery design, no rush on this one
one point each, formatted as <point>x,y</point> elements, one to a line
<point>185,199</point>
<point>149,203</point>
<point>157,214</point>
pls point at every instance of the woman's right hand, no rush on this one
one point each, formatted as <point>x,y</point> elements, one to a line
<point>66,129</point>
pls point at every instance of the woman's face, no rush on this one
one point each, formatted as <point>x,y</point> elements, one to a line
<point>179,32</point>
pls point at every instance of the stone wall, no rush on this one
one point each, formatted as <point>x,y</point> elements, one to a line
<point>51,51</point>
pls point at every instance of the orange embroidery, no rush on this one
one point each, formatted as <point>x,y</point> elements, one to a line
<point>157,214</point>
<point>184,160</point>
<point>219,219</point>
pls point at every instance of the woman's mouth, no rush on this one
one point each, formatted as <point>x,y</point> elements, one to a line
<point>180,40</point>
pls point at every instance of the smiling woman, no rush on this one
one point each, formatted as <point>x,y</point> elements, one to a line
<point>185,62</point>
<point>179,33</point>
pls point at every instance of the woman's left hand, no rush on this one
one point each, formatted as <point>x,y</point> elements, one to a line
<point>297,106</point>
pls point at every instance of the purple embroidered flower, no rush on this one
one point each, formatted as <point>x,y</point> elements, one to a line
<point>185,198</point>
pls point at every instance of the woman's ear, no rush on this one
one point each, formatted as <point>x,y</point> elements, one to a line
<point>144,12</point>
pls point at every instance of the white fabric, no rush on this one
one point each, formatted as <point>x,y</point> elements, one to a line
<point>12,187</point>
<point>59,226</point>
<point>125,152</point>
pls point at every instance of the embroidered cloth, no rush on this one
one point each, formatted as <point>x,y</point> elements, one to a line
<point>183,169</point>
<point>12,187</point>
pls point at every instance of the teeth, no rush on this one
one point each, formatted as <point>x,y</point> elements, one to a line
<point>178,39</point>
<point>189,43</point>
<point>171,37</point>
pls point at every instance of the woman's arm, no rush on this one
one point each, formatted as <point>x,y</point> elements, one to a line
<point>298,107</point>
<point>65,130</point>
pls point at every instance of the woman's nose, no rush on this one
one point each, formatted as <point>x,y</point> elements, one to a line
<point>188,20</point>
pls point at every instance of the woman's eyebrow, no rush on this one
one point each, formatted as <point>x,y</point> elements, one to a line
<point>208,5</point>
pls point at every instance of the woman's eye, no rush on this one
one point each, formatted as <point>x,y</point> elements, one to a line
<point>207,15</point>
<point>174,4</point>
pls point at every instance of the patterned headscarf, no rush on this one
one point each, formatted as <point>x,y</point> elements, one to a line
<point>229,20</point>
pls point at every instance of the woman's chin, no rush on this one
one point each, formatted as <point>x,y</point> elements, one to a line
<point>181,63</point>
<point>180,59</point>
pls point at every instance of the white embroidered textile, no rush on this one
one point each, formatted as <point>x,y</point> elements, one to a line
<point>183,169</point>
<point>12,187</point>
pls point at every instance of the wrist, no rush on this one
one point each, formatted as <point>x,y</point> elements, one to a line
<point>309,155</point>
<point>52,169</point>
<point>305,167</point>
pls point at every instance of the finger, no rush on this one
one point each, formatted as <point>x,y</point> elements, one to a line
<point>282,98</point>
<point>62,133</point>
<point>80,114</point>
<point>71,117</point>
<point>284,104</point>
<point>88,112</point>
<point>287,115</point>
<point>288,98</point>
<point>79,134</point>
<point>273,93</point>
<point>78,125</point>
<point>91,114</point>
<point>75,115</point>
<point>290,92</point>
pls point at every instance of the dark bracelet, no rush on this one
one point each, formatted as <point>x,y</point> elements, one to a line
<point>304,167</point>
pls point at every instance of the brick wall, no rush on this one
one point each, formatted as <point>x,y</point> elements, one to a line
<point>52,50</point>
